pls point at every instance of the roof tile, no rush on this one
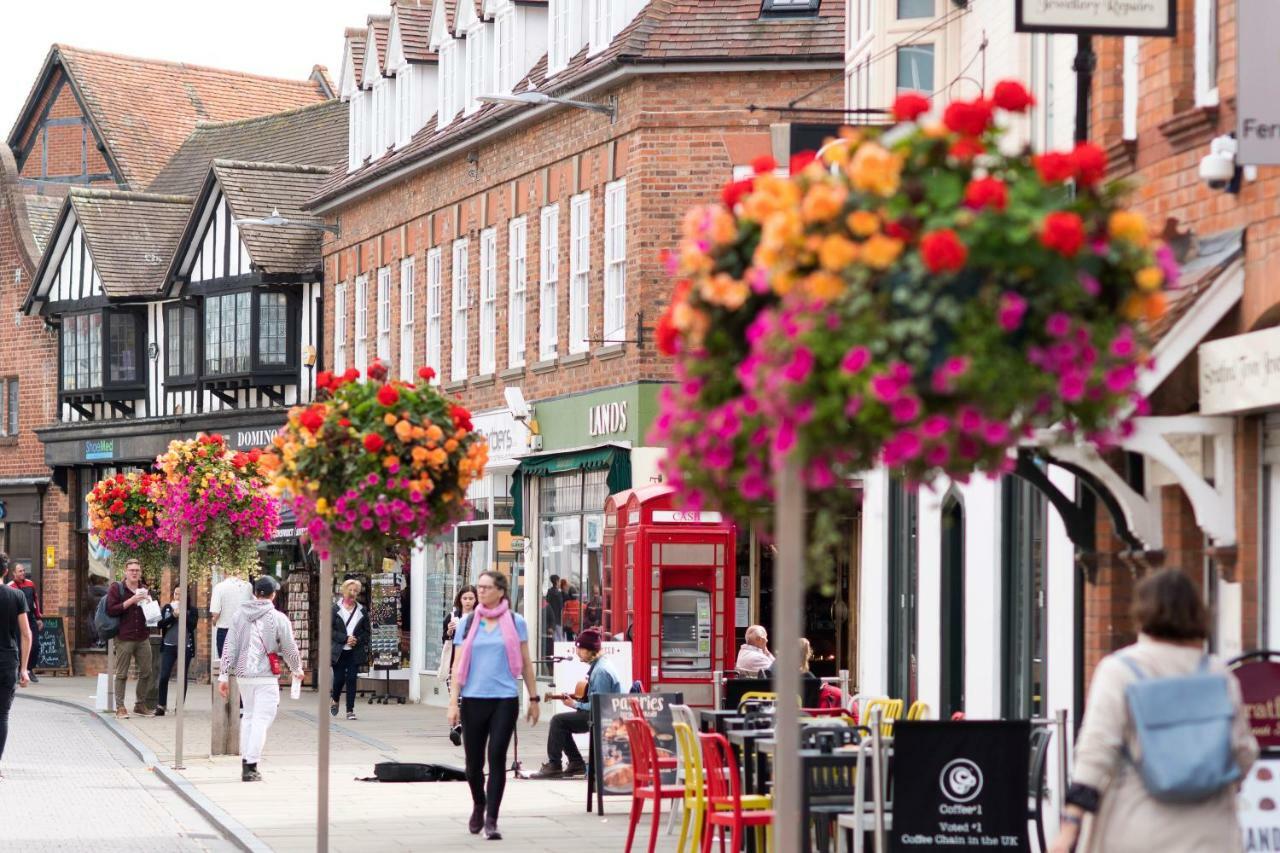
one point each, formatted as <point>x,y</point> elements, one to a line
<point>130,236</point>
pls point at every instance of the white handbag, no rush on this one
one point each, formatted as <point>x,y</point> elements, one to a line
<point>151,610</point>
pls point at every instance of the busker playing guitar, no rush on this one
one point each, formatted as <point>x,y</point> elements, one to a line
<point>600,679</point>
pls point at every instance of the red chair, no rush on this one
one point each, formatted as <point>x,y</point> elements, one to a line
<point>724,796</point>
<point>647,784</point>
<point>670,762</point>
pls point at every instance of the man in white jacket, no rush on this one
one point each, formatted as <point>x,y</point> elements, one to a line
<point>258,633</point>
<point>754,656</point>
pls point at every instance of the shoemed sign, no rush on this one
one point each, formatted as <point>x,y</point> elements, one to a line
<point>1257,108</point>
<point>1097,17</point>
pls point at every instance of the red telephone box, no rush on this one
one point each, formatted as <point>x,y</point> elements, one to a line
<point>671,588</point>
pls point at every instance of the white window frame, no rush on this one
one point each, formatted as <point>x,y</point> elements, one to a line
<point>504,36</point>
<point>488,301</point>
<point>384,318</point>
<point>517,287</point>
<point>562,28</point>
<point>362,323</point>
<point>1131,81</point>
<point>579,272</point>
<point>435,301</point>
<point>615,261</point>
<point>461,303</point>
<point>601,24</point>
<point>405,112</point>
<point>548,282</point>
<point>1208,55</point>
<point>340,328</point>
<point>355,147</point>
<point>477,66</point>
<point>408,312</point>
<point>448,55</point>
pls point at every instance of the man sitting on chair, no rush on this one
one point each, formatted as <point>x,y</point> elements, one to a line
<point>600,679</point>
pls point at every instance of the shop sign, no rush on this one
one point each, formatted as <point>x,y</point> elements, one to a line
<point>501,430</point>
<point>607,419</point>
<point>1240,373</point>
<point>1257,108</point>
<point>1103,17</point>
<point>99,448</point>
<point>961,785</point>
<point>1260,690</point>
<point>1258,805</point>
<point>248,439</point>
<point>676,516</point>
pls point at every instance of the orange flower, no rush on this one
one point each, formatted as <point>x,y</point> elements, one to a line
<point>724,290</point>
<point>419,455</point>
<point>837,252</point>
<point>434,433</point>
<point>1149,278</point>
<point>862,223</point>
<point>875,170</point>
<point>1129,226</point>
<point>822,203</point>
<point>404,431</point>
<point>824,286</point>
<point>451,445</point>
<point>879,252</point>
<point>389,419</point>
<point>724,228</point>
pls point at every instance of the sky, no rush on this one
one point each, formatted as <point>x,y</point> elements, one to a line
<point>281,38</point>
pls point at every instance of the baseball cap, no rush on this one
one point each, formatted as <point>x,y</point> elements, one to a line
<point>265,585</point>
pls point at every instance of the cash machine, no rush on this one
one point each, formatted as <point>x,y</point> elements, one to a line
<point>669,589</point>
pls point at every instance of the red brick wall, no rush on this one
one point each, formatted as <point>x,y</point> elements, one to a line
<point>59,150</point>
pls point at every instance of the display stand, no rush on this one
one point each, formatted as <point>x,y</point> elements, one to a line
<point>300,605</point>
<point>384,622</point>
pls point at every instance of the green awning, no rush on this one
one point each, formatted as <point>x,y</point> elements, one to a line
<point>617,460</point>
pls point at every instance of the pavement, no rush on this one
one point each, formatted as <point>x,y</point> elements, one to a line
<point>279,813</point>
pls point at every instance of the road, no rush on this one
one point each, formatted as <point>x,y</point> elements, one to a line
<point>70,784</point>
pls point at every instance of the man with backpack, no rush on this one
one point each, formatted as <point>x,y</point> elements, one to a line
<point>133,639</point>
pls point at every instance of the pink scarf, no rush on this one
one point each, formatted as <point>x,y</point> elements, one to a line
<point>510,638</point>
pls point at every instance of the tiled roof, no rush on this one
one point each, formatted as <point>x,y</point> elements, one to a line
<point>450,15</point>
<point>1214,254</point>
<point>42,214</point>
<point>315,136</point>
<point>355,43</point>
<point>144,109</point>
<point>381,25</point>
<point>131,236</point>
<point>254,190</point>
<point>415,31</point>
<point>665,31</point>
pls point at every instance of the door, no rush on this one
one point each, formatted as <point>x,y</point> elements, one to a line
<point>952,692</point>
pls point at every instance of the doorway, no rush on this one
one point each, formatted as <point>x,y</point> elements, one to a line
<point>952,692</point>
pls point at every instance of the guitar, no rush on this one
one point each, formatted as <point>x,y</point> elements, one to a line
<point>579,694</point>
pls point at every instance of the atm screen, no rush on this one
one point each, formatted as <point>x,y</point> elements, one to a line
<point>680,627</point>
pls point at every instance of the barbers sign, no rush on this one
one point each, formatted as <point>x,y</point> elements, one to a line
<point>1101,17</point>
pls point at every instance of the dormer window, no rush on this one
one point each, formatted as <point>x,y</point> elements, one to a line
<point>780,8</point>
<point>568,32</point>
<point>478,67</point>
<point>250,332</point>
<point>504,32</point>
<point>407,99</point>
<point>95,359</point>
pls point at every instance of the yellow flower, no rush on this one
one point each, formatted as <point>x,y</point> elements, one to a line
<point>824,286</point>
<point>1150,307</point>
<point>782,282</point>
<point>1149,278</point>
<point>879,252</point>
<point>875,170</point>
<point>1130,226</point>
<point>822,203</point>
<point>935,130</point>
<point>862,223</point>
<point>322,506</point>
<point>836,252</point>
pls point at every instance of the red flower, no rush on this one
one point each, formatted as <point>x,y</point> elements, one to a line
<point>986,192</point>
<point>461,417</point>
<point>373,442</point>
<point>666,335</point>
<point>966,148</point>
<point>735,190</point>
<point>351,375</point>
<point>377,371</point>
<point>119,478</point>
<point>763,164</point>
<point>802,159</point>
<point>909,107</point>
<point>942,251</point>
<point>1090,163</point>
<point>388,395</point>
<point>1063,233</point>
<point>117,508</point>
<point>969,118</point>
<point>344,422</point>
<point>324,379</point>
<point>240,460</point>
<point>312,418</point>
<point>1055,167</point>
<point>426,374</point>
<point>898,231</point>
<point>1012,96</point>
<point>255,455</point>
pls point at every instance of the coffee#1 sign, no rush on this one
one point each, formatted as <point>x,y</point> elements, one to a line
<point>1104,17</point>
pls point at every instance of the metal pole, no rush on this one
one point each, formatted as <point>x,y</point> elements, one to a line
<point>1086,62</point>
<point>844,687</point>
<point>877,778</point>
<point>323,678</point>
<point>717,686</point>
<point>788,598</point>
<point>184,557</point>
<point>1060,723</point>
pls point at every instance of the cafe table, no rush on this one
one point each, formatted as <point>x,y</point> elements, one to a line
<point>710,719</point>
<point>744,743</point>
<point>844,757</point>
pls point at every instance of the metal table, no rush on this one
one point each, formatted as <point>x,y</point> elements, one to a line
<point>844,758</point>
<point>744,743</point>
<point>710,719</point>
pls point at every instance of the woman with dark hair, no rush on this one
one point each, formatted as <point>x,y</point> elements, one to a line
<point>1107,784</point>
<point>492,658</point>
<point>463,603</point>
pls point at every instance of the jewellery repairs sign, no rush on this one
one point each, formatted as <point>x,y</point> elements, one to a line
<point>1240,373</point>
<point>1257,108</point>
<point>1103,17</point>
<point>961,785</point>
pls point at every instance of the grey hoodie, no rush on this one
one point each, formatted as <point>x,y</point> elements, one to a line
<point>258,629</point>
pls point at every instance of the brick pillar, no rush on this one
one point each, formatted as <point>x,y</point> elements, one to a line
<point>1248,444</point>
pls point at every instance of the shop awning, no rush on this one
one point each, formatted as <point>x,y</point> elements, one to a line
<point>613,458</point>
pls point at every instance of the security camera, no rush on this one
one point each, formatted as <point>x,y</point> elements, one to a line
<point>1218,168</point>
<point>516,403</point>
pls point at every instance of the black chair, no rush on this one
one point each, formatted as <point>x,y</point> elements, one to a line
<point>827,793</point>
<point>736,688</point>
<point>828,738</point>
<point>1040,737</point>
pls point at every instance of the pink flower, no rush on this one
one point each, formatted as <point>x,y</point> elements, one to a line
<point>785,438</point>
<point>852,406</point>
<point>1123,346</point>
<point>1011,310</point>
<point>885,389</point>
<point>855,360</point>
<point>1072,386</point>
<point>754,486</point>
<point>901,373</point>
<point>1168,265</point>
<point>819,475</point>
<point>1058,325</point>
<point>969,419</point>
<point>1090,284</point>
<point>1119,379</point>
<point>800,366</point>
<point>938,456</point>
<point>905,409</point>
<point>995,433</point>
<point>758,278</point>
<point>935,426</point>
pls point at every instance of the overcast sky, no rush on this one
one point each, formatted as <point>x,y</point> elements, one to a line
<point>282,38</point>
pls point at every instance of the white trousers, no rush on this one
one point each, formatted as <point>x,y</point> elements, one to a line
<point>260,704</point>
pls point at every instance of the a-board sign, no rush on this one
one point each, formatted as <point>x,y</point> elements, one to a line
<point>1096,17</point>
<point>961,785</point>
<point>613,770</point>
<point>1260,690</point>
<point>50,650</point>
<point>1258,805</point>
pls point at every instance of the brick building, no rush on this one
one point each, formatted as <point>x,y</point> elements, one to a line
<point>88,129</point>
<point>511,241</point>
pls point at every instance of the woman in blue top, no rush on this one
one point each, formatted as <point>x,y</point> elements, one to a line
<point>492,658</point>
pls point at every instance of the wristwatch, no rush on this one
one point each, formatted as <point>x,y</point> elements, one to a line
<point>535,699</point>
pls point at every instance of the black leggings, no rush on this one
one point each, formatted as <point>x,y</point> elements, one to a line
<point>492,720</point>
<point>345,671</point>
<point>8,686</point>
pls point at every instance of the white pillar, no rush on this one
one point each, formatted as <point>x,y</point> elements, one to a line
<point>982,595</point>
<point>1060,592</point>
<point>418,638</point>
<point>929,596</point>
<point>873,597</point>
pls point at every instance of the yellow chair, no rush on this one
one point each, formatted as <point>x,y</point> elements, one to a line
<point>695,790</point>
<point>918,711</point>
<point>757,696</point>
<point>890,710</point>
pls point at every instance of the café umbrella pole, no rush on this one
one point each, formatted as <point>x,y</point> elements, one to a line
<point>323,676</point>
<point>184,558</point>
<point>788,597</point>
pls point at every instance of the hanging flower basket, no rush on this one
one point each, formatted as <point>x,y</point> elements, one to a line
<point>124,512</point>
<point>918,299</point>
<point>373,466</point>
<point>219,496</point>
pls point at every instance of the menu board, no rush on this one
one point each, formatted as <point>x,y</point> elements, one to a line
<point>384,620</point>
<point>51,646</point>
<point>612,766</point>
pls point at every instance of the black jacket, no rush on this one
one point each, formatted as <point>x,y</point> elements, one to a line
<point>362,633</point>
<point>169,625</point>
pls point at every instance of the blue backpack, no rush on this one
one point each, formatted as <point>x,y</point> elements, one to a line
<point>1183,726</point>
